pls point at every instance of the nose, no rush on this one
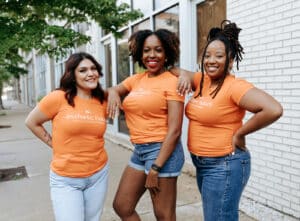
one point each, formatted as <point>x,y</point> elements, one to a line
<point>211,59</point>
<point>152,53</point>
<point>92,72</point>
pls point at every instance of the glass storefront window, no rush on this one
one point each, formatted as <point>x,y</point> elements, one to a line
<point>168,19</point>
<point>161,3</point>
<point>145,6</point>
<point>123,68</point>
<point>108,70</point>
<point>142,25</point>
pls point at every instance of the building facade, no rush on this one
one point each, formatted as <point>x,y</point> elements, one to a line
<point>271,39</point>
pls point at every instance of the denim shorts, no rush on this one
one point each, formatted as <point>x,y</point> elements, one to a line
<point>145,154</point>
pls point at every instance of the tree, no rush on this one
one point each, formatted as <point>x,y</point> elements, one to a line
<point>46,26</point>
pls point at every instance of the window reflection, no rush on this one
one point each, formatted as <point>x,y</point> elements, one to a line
<point>145,6</point>
<point>123,68</point>
<point>161,3</point>
<point>142,25</point>
<point>168,19</point>
<point>108,69</point>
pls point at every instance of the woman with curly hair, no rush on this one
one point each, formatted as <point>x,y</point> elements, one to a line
<point>216,133</point>
<point>154,112</point>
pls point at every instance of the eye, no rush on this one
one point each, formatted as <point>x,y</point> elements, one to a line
<point>146,50</point>
<point>159,49</point>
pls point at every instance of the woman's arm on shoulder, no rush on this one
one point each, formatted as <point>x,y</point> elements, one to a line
<point>34,122</point>
<point>185,80</point>
<point>114,95</point>
<point>265,108</point>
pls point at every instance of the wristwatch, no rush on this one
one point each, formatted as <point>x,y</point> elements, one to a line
<point>155,167</point>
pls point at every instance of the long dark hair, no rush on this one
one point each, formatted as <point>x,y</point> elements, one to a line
<point>229,35</point>
<point>169,41</point>
<point>68,81</point>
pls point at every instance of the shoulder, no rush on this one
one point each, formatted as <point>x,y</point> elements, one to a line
<point>238,82</point>
<point>56,94</point>
<point>169,75</point>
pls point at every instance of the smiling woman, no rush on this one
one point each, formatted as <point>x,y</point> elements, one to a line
<point>77,110</point>
<point>154,114</point>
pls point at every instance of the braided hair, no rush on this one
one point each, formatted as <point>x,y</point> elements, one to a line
<point>228,33</point>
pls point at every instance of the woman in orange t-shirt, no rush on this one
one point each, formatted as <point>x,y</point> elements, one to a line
<point>216,134</point>
<point>154,112</point>
<point>79,169</point>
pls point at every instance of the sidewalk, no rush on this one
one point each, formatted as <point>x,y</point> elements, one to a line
<point>28,199</point>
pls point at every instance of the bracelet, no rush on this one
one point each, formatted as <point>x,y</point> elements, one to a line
<point>155,167</point>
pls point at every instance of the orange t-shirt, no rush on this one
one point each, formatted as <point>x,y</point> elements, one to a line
<point>212,122</point>
<point>77,134</point>
<point>146,105</point>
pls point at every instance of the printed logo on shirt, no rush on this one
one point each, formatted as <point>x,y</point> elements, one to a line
<point>140,92</point>
<point>201,102</point>
<point>86,117</point>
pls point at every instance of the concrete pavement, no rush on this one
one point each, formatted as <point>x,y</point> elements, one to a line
<point>28,199</point>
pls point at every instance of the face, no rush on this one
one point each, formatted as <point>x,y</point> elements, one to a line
<point>215,59</point>
<point>86,76</point>
<point>154,55</point>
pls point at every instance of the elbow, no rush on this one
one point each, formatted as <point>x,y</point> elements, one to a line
<point>276,112</point>
<point>27,123</point>
<point>176,134</point>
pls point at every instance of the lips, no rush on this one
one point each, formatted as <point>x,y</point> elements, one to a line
<point>152,64</point>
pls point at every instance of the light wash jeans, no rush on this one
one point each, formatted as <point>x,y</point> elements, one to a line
<point>78,199</point>
<point>221,181</point>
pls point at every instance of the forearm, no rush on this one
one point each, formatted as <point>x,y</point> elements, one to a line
<point>40,132</point>
<point>257,121</point>
<point>168,146</point>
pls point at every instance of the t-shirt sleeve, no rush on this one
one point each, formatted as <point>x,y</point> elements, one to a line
<point>171,93</point>
<point>239,88</point>
<point>196,79</point>
<point>130,81</point>
<point>51,103</point>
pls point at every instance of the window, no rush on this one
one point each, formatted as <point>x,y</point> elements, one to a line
<point>108,66</point>
<point>168,19</point>
<point>41,69</point>
<point>210,13</point>
<point>145,6</point>
<point>142,25</point>
<point>161,3</point>
<point>108,70</point>
<point>123,68</point>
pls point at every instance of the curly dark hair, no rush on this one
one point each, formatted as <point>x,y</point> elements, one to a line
<point>228,33</point>
<point>68,81</point>
<point>169,41</point>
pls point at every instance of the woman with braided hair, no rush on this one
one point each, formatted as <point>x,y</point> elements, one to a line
<point>216,134</point>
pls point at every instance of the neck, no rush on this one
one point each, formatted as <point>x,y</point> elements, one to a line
<point>84,94</point>
<point>154,74</point>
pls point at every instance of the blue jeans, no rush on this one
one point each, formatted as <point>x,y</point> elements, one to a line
<point>221,181</point>
<point>145,154</point>
<point>78,199</point>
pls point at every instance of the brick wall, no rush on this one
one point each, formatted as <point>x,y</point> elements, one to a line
<point>271,40</point>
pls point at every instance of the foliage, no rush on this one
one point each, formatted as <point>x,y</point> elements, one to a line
<point>47,27</point>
